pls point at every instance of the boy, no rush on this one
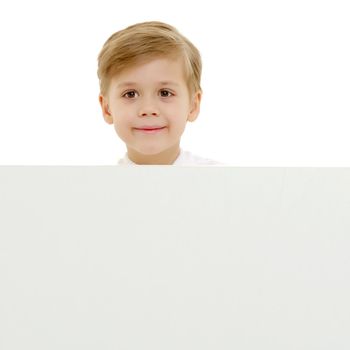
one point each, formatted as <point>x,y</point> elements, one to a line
<point>149,88</point>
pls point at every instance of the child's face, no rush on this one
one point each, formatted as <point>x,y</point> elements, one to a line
<point>153,94</point>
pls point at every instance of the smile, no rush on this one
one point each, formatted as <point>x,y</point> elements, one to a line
<point>150,131</point>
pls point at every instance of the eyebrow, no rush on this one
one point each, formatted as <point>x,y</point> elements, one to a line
<point>131,83</point>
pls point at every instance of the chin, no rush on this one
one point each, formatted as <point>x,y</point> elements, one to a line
<point>152,152</point>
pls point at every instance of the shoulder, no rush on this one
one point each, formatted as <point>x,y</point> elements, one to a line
<point>125,161</point>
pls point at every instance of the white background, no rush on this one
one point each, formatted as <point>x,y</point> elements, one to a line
<point>275,79</point>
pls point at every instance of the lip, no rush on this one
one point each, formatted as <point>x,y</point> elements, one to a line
<point>151,130</point>
<point>150,127</point>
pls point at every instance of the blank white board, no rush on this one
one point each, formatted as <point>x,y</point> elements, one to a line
<point>160,257</point>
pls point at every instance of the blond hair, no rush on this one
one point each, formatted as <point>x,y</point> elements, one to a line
<point>143,42</point>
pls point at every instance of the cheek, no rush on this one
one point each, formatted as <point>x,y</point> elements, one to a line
<point>176,111</point>
<point>122,116</point>
<point>121,120</point>
<point>124,132</point>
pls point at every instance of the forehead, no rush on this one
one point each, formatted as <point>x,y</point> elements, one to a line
<point>163,71</point>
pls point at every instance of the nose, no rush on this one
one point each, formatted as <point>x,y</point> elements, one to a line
<point>148,108</point>
<point>145,114</point>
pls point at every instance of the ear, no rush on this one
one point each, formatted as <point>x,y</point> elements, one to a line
<point>195,106</point>
<point>105,109</point>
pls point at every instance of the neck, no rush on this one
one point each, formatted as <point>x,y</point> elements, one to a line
<point>166,157</point>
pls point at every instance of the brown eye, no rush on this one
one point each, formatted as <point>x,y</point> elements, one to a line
<point>165,93</point>
<point>130,94</point>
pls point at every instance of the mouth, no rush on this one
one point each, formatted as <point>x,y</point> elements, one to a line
<point>153,127</point>
<point>150,129</point>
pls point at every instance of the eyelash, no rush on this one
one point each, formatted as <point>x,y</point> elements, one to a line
<point>128,92</point>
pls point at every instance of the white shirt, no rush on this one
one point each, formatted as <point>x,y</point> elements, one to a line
<point>184,158</point>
